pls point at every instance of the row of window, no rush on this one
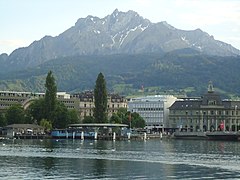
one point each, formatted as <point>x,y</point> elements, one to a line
<point>70,107</point>
<point>20,95</point>
<point>68,102</point>
<point>113,106</point>
<point>207,113</point>
<point>5,105</point>
<point>146,105</point>
<point>149,109</point>
<point>108,111</point>
<point>212,121</point>
<point>85,113</point>
<point>12,100</point>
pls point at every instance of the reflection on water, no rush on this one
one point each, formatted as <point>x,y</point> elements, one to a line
<point>152,159</point>
<point>48,162</point>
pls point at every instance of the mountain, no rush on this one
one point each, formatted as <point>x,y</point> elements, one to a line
<point>183,71</point>
<point>118,33</point>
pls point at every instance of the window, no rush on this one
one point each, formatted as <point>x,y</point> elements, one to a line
<point>211,102</point>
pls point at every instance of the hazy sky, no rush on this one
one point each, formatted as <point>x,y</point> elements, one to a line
<point>24,21</point>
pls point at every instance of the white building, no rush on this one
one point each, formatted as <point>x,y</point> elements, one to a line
<point>153,109</point>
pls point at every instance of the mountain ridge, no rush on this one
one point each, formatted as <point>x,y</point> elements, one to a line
<point>117,33</point>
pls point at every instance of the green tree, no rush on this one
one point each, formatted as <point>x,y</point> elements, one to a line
<point>123,115</point>
<point>37,110</point>
<point>88,119</point>
<point>50,96</point>
<point>46,124</point>
<point>3,121</point>
<point>60,116</point>
<point>72,116</point>
<point>134,119</point>
<point>126,118</point>
<point>115,119</point>
<point>137,121</point>
<point>15,114</point>
<point>100,96</point>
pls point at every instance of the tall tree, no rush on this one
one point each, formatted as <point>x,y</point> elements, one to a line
<point>50,96</point>
<point>100,96</point>
<point>60,119</point>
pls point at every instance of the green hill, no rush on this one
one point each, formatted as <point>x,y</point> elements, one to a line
<point>175,72</point>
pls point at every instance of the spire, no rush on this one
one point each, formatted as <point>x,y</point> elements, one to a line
<point>210,87</point>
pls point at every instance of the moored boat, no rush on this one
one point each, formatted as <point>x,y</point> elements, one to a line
<point>223,135</point>
<point>189,135</point>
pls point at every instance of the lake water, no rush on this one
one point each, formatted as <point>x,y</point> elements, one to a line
<point>151,159</point>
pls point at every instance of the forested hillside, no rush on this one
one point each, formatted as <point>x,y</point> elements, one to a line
<point>182,72</point>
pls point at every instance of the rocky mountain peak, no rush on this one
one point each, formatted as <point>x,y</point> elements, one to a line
<point>117,33</point>
<point>167,25</point>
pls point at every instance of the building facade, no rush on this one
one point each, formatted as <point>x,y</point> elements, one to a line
<point>207,113</point>
<point>83,102</point>
<point>153,109</point>
<point>9,98</point>
<point>86,103</point>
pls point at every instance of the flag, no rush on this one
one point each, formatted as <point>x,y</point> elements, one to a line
<point>221,126</point>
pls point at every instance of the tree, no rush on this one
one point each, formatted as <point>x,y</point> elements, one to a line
<point>123,115</point>
<point>15,114</point>
<point>115,119</point>
<point>3,121</point>
<point>50,96</point>
<point>100,96</point>
<point>88,119</point>
<point>137,121</point>
<point>46,124</point>
<point>49,109</point>
<point>37,110</point>
<point>60,116</point>
<point>72,116</point>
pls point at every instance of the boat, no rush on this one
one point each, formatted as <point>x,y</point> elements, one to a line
<point>189,135</point>
<point>223,135</point>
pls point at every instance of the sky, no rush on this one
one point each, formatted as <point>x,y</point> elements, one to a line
<point>24,21</point>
